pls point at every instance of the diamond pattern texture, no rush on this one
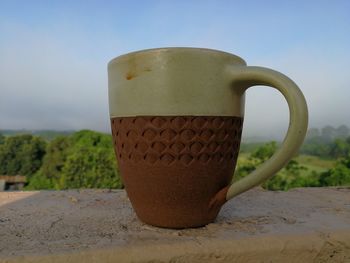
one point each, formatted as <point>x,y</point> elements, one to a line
<point>185,140</point>
<point>173,167</point>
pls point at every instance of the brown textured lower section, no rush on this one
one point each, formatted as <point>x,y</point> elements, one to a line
<point>173,168</point>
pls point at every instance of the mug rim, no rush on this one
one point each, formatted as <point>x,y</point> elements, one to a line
<point>164,49</point>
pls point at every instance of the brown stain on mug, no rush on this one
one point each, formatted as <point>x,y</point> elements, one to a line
<point>132,74</point>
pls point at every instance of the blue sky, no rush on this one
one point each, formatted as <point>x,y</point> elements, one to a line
<point>53,55</point>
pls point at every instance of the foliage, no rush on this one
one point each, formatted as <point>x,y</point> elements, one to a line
<point>2,138</point>
<point>86,159</point>
<point>83,160</point>
<point>264,152</point>
<point>38,181</point>
<point>317,146</point>
<point>90,162</point>
<point>260,155</point>
<point>330,142</point>
<point>315,163</point>
<point>45,134</point>
<point>289,177</point>
<point>250,147</point>
<point>22,154</point>
<point>340,148</point>
<point>85,168</point>
<point>54,159</point>
<point>339,175</point>
<point>296,175</point>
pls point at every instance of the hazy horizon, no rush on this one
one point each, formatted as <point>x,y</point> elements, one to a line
<point>246,137</point>
<point>53,58</point>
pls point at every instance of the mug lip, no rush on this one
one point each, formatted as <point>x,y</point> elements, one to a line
<point>164,49</point>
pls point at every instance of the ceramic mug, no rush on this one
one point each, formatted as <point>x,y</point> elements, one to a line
<point>176,117</point>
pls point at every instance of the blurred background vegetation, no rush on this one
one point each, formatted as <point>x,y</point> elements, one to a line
<point>85,159</point>
<point>53,57</point>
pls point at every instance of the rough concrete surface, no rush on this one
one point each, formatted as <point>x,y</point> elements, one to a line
<point>301,225</point>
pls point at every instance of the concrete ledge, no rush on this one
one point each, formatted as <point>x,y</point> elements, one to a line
<point>302,225</point>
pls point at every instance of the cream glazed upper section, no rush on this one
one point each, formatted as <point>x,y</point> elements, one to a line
<point>174,82</point>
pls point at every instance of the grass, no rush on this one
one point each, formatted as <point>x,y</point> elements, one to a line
<point>243,156</point>
<point>315,163</point>
<point>312,163</point>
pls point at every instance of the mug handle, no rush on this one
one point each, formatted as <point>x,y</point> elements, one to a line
<point>248,76</point>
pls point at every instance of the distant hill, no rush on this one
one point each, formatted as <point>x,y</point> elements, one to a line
<point>259,139</point>
<point>322,135</point>
<point>328,133</point>
<point>46,134</point>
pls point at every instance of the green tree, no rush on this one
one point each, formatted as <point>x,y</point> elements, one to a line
<point>264,152</point>
<point>83,160</point>
<point>90,162</point>
<point>21,154</point>
<point>317,147</point>
<point>338,175</point>
<point>2,138</point>
<point>88,168</point>
<point>49,175</point>
<point>340,148</point>
<point>38,182</point>
<point>290,176</point>
<point>260,155</point>
<point>343,131</point>
<point>55,158</point>
<point>328,133</point>
<point>326,144</point>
